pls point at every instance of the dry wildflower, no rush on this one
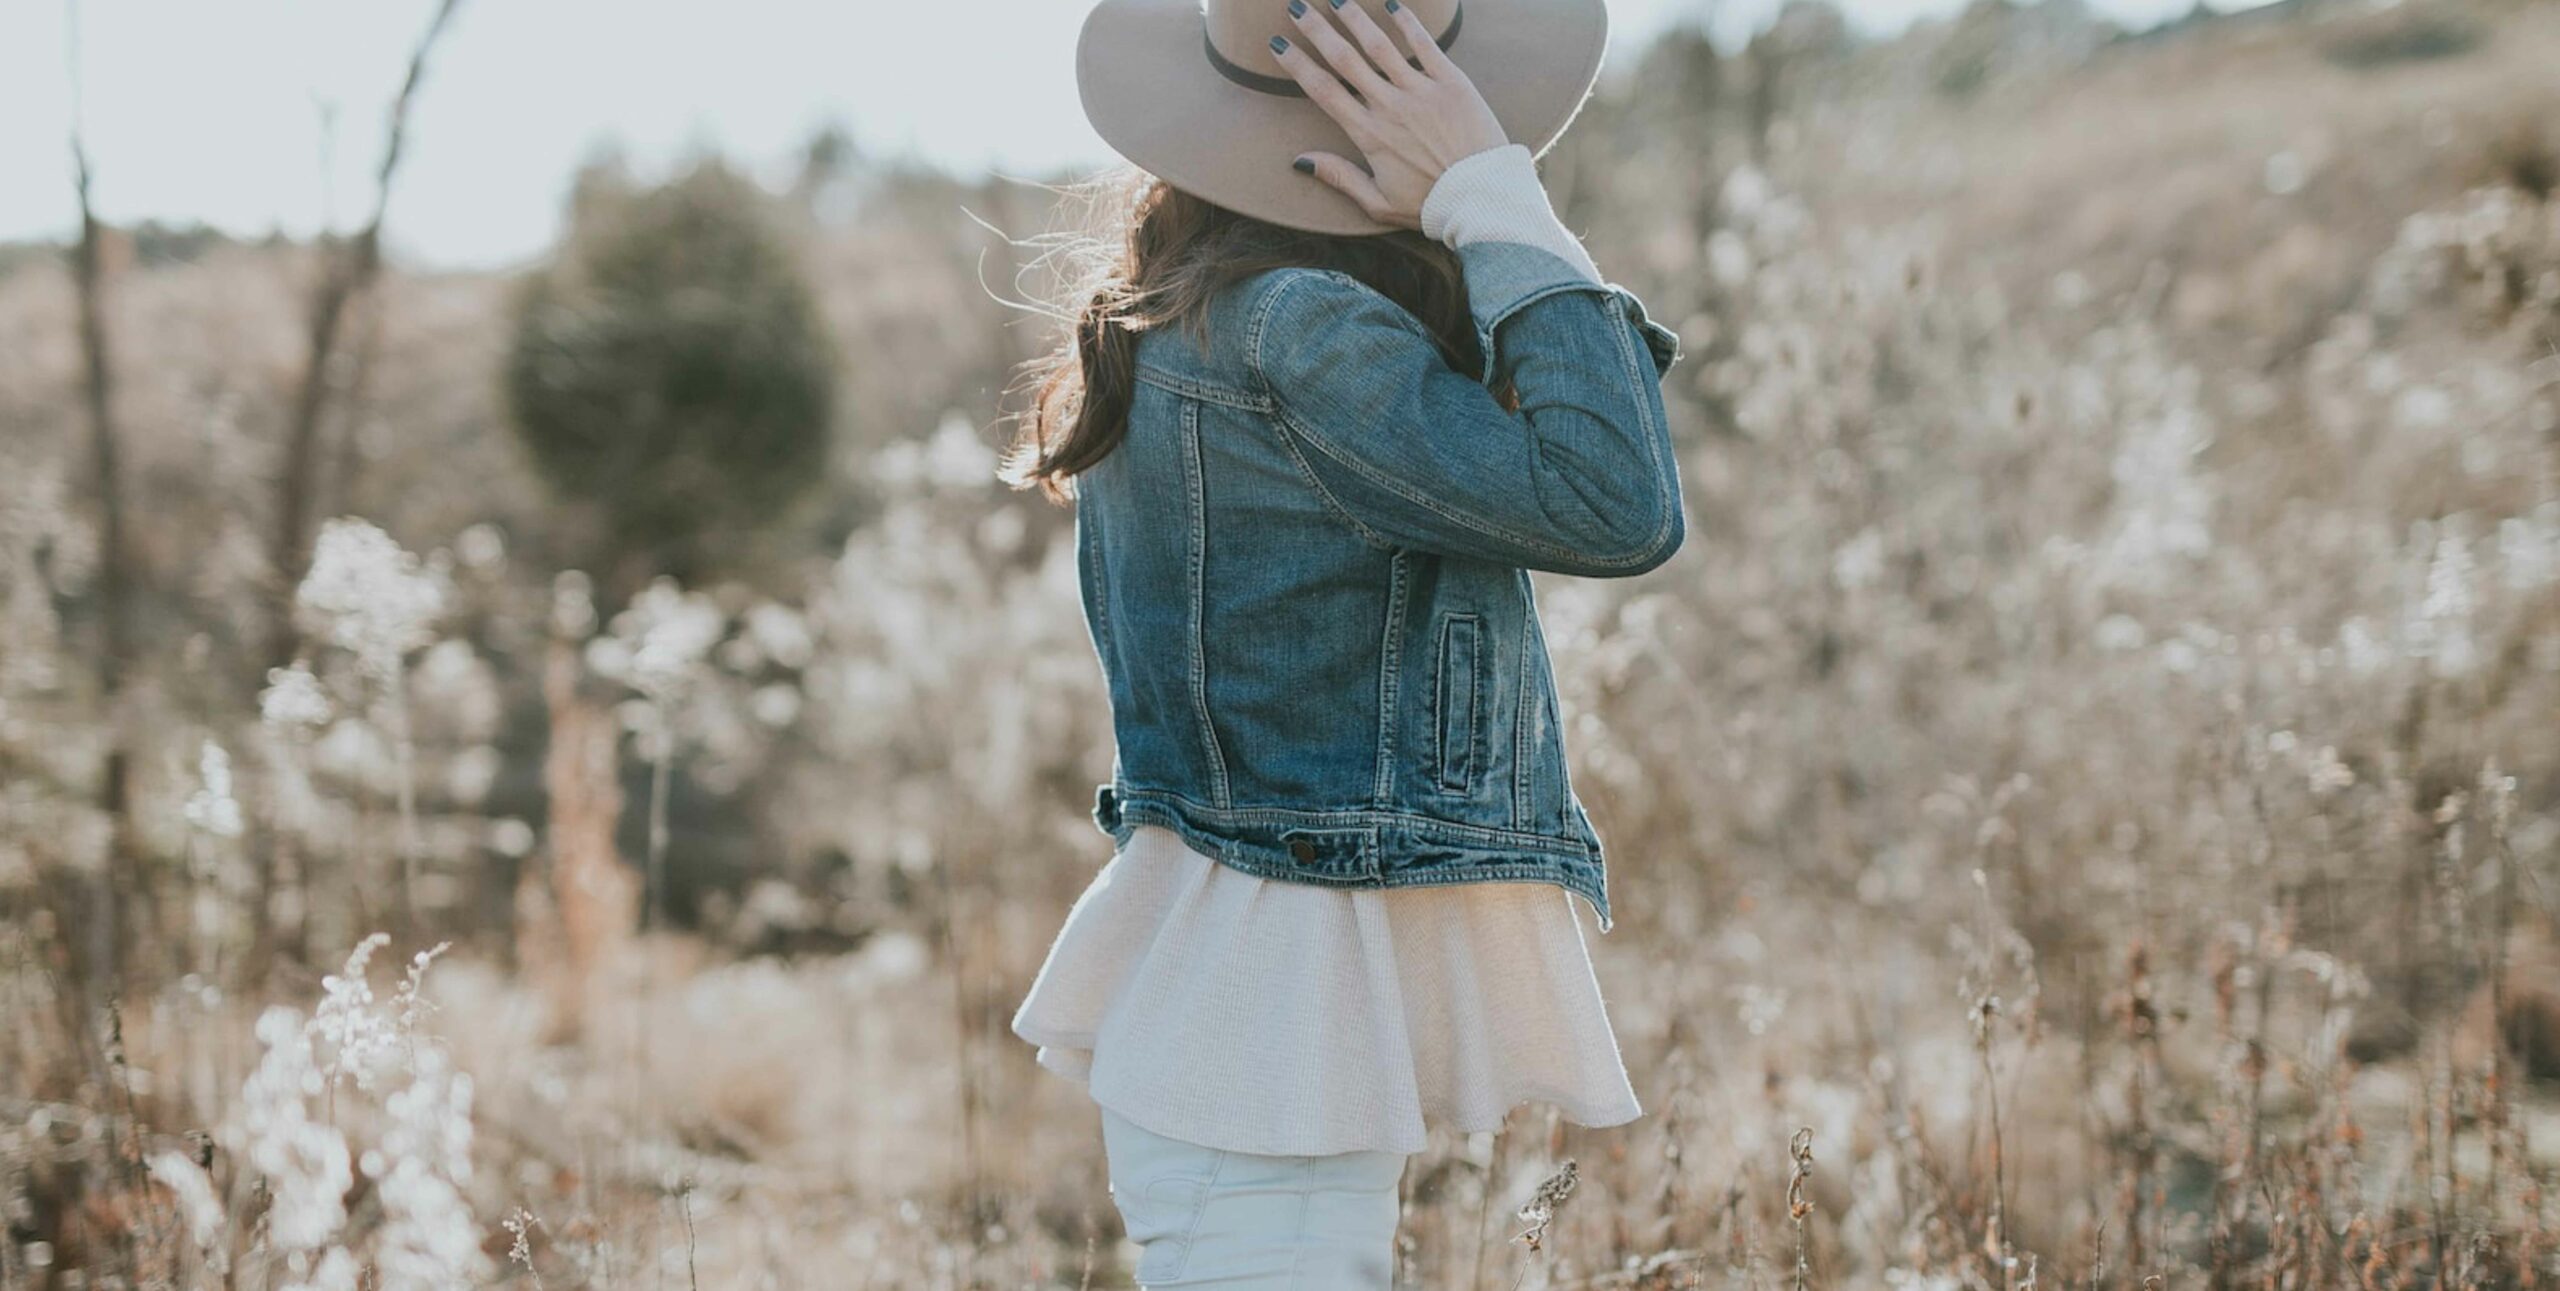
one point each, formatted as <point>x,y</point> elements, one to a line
<point>1800,1206</point>
<point>1799,1173</point>
<point>952,459</point>
<point>429,1241</point>
<point>661,643</point>
<point>481,547</point>
<point>304,1161</point>
<point>573,604</point>
<point>419,1165</point>
<point>213,807</point>
<point>520,1225</point>
<point>2165,502</point>
<point>336,1271</point>
<point>368,595</point>
<point>1540,1210</point>
<point>360,1038</point>
<point>198,1204</point>
<point>2529,549</point>
<point>410,1002</point>
<point>294,700</point>
<point>780,634</point>
<point>2327,773</point>
<point>2439,626</point>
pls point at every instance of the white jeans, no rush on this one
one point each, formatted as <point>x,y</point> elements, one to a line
<point>1246,1222</point>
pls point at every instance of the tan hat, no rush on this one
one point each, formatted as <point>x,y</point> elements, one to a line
<point>1188,90</point>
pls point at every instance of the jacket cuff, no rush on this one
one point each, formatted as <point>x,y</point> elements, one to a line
<point>1495,196</point>
<point>1504,278</point>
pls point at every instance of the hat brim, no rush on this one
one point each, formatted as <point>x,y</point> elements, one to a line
<point>1151,93</point>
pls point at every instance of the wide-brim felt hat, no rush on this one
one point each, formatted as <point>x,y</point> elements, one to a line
<point>1188,91</point>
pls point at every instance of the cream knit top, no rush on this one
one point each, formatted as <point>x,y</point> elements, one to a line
<point>1259,1015</point>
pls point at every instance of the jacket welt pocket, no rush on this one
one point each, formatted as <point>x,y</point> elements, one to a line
<point>1460,699</point>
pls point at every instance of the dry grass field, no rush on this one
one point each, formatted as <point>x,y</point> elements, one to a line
<point>2084,807</point>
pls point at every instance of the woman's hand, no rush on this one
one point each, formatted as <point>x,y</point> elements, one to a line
<point>1411,123</point>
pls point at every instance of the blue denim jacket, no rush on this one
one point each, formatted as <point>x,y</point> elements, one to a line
<point>1305,571</point>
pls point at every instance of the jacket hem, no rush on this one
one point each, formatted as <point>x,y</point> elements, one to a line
<point>1359,847</point>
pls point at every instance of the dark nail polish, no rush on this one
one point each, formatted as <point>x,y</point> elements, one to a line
<point>1304,165</point>
<point>1337,4</point>
<point>1297,8</point>
<point>1392,6</point>
<point>1279,44</point>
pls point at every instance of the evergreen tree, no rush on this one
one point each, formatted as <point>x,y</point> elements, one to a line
<point>671,370</point>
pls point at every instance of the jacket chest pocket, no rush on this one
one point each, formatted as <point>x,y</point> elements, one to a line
<point>1459,700</point>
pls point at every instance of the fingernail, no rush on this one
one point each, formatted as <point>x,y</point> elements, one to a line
<point>1297,8</point>
<point>1337,4</point>
<point>1392,6</point>
<point>1279,44</point>
<point>1304,165</point>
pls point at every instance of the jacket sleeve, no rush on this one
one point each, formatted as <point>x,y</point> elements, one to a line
<point>1580,479</point>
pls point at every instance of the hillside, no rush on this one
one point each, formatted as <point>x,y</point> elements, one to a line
<point>2092,763</point>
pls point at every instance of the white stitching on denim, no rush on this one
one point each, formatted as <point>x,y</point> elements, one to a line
<point>1195,478</point>
<point>1401,319</point>
<point>1390,680</point>
<point>1658,446</point>
<point>1191,1235</point>
<point>1205,391</point>
<point>1443,698</point>
<point>1091,552</point>
<point>1547,865</point>
<point>1306,1193</point>
<point>1521,753</point>
<point>1308,471</point>
<point>1644,413</point>
<point>1362,817</point>
<point>1459,519</point>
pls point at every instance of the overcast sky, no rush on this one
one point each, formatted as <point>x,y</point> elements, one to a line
<point>217,111</point>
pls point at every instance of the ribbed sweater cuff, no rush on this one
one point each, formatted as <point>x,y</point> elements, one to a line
<point>1495,196</point>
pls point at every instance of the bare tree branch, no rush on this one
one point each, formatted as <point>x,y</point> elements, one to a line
<point>347,275</point>
<point>107,482</point>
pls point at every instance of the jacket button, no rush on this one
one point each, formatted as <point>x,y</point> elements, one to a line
<point>1302,849</point>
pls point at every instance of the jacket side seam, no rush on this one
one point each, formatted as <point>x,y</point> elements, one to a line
<point>1522,775</point>
<point>1195,478</point>
<point>1089,531</point>
<point>1390,679</point>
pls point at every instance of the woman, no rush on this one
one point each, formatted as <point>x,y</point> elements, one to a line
<point>1317,424</point>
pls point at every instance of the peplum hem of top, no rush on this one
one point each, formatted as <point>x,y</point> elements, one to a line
<point>1265,1016</point>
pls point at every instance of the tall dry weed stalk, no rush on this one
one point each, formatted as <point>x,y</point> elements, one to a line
<point>590,902</point>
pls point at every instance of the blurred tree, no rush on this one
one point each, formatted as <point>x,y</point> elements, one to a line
<point>1689,72</point>
<point>1805,32</point>
<point>671,371</point>
<point>603,179</point>
<point>828,164</point>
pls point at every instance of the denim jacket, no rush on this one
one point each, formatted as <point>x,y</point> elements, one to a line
<point>1305,572</point>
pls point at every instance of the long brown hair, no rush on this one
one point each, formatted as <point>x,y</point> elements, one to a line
<point>1175,252</point>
